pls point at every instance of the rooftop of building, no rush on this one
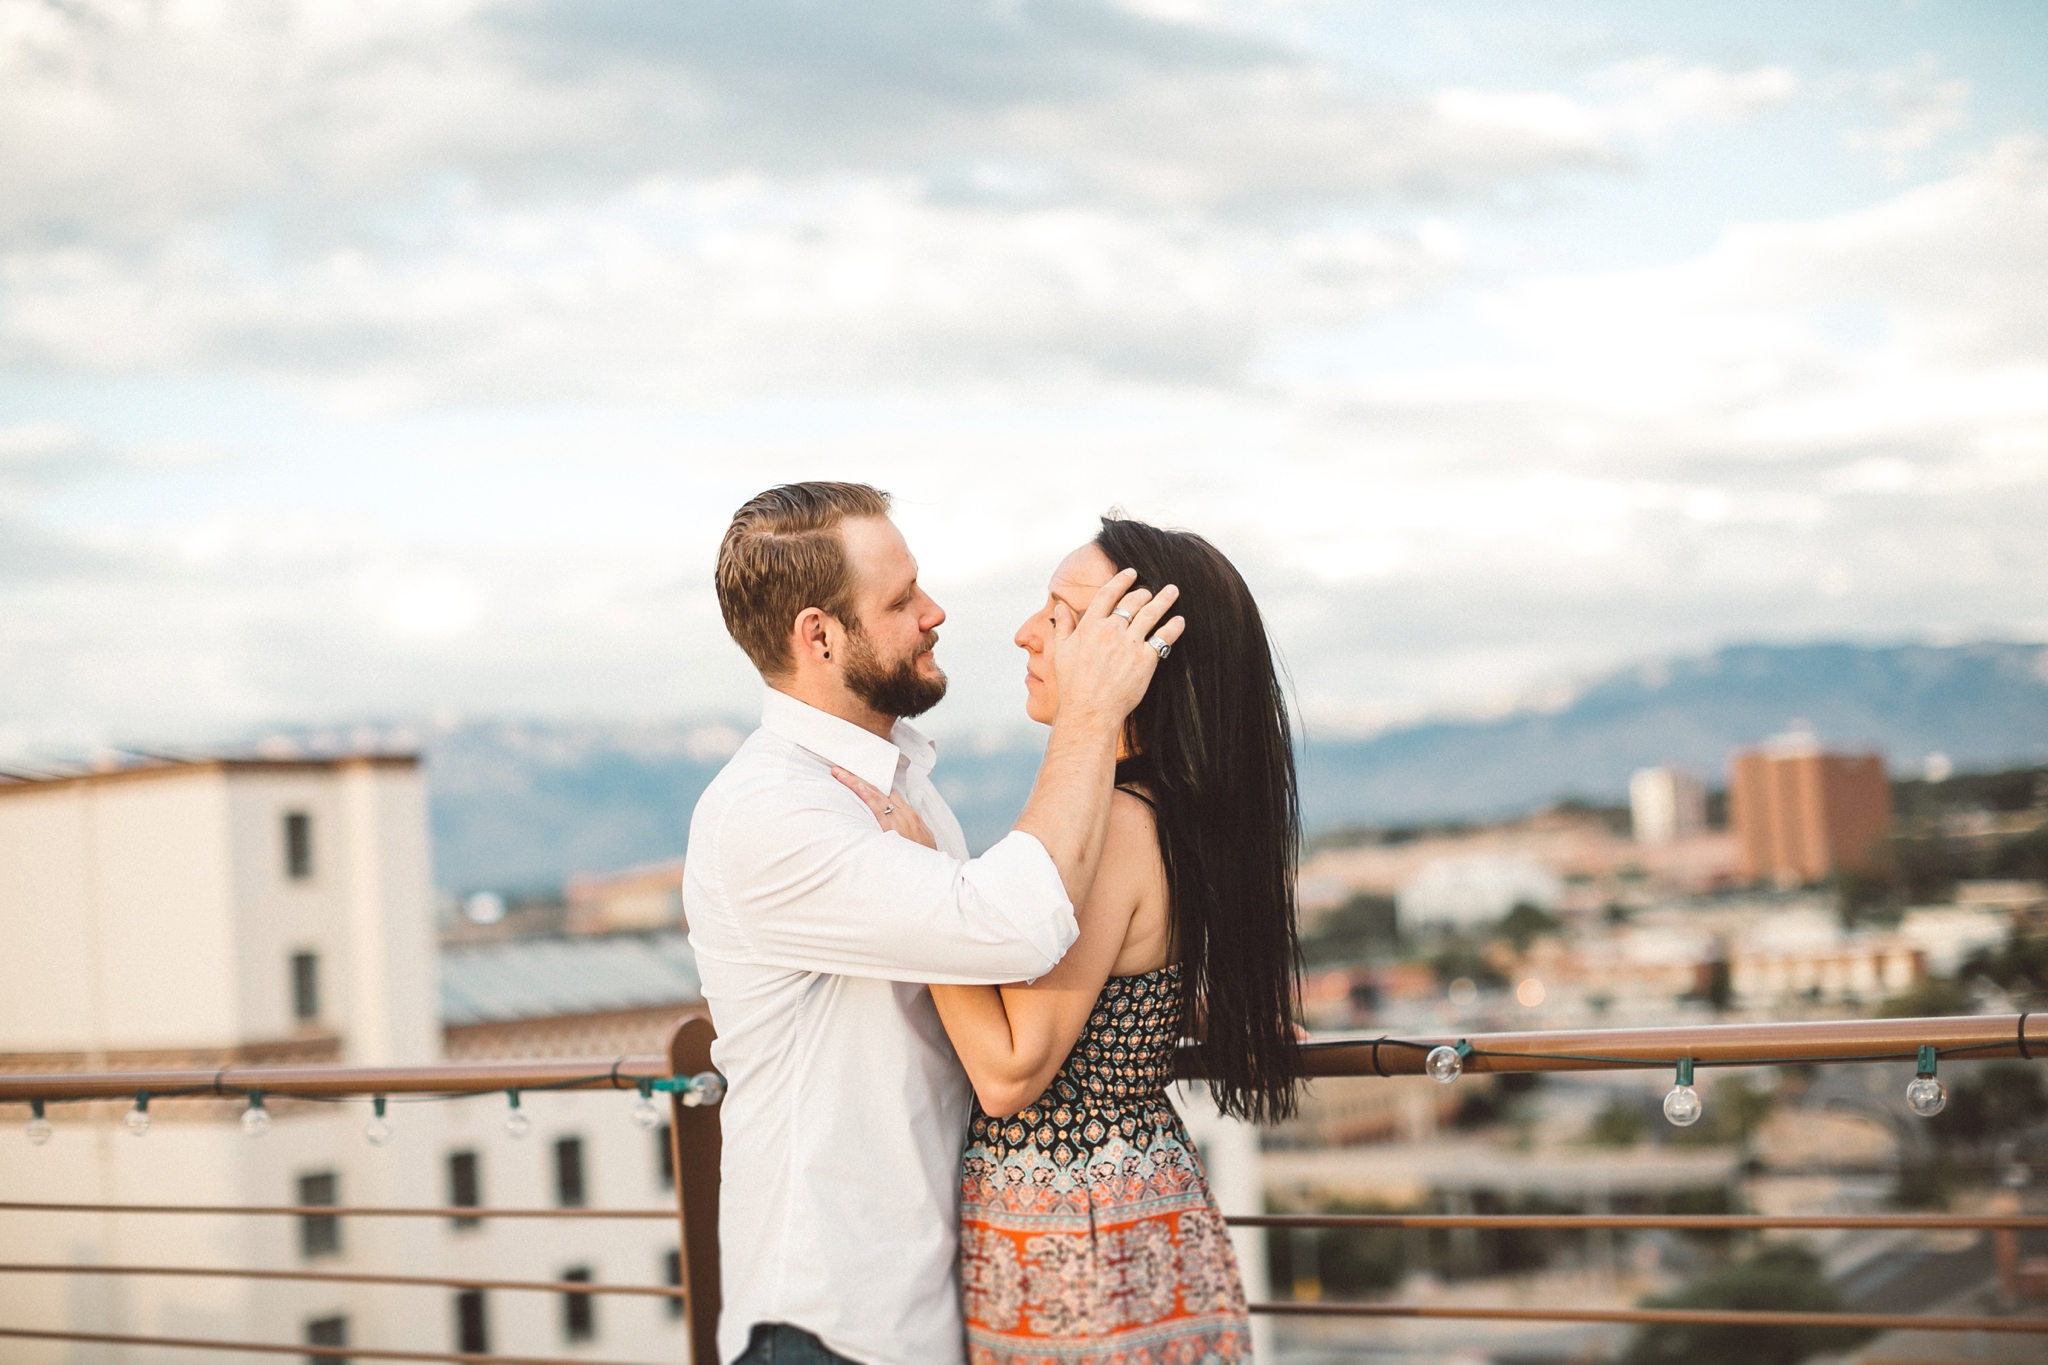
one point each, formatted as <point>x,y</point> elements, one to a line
<point>533,978</point>
<point>132,765</point>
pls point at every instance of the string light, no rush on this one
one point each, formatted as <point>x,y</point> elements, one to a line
<point>516,1121</point>
<point>1445,1064</point>
<point>645,1115</point>
<point>1926,1095</point>
<point>1682,1106</point>
<point>703,1089</point>
<point>706,1088</point>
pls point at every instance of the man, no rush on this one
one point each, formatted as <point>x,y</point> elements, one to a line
<point>815,929</point>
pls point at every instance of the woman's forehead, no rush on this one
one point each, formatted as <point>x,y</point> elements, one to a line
<point>1082,571</point>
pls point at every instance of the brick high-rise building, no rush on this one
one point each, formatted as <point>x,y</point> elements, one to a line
<point>1800,815</point>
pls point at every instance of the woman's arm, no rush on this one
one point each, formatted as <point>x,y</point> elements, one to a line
<point>1012,1039</point>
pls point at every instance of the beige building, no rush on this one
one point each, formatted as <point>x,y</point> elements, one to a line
<point>1665,805</point>
<point>191,915</point>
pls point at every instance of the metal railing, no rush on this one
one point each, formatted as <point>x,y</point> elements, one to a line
<point>695,1138</point>
<point>694,1151</point>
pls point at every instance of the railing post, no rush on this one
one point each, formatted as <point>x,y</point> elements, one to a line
<point>695,1138</point>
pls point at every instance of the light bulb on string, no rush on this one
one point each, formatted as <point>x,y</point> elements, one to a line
<point>138,1117</point>
<point>1446,1064</point>
<point>1924,1093</point>
<point>40,1129</point>
<point>706,1088</point>
<point>377,1130</point>
<point>1682,1106</point>
<point>255,1119</point>
<point>645,1115</point>
<point>516,1122</point>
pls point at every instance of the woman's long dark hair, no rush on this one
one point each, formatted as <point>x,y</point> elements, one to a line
<point>1209,746</point>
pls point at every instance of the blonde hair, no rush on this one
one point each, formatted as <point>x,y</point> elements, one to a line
<point>784,553</point>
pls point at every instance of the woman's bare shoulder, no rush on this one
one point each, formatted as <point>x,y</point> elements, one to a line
<point>1131,821</point>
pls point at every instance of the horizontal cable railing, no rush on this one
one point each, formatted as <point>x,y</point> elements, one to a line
<point>337,1082</point>
<point>297,1349</point>
<point>1646,1222</point>
<point>346,1277</point>
<point>1683,1317</point>
<point>696,1140</point>
<point>1963,1037</point>
<point>1681,1222</point>
<point>462,1211</point>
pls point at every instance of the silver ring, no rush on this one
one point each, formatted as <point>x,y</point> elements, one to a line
<point>890,807</point>
<point>1119,611</point>
<point>1164,648</point>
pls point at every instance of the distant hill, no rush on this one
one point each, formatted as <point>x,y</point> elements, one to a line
<point>1982,705</point>
<point>524,804</point>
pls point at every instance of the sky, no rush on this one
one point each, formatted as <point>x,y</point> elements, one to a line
<point>383,361</point>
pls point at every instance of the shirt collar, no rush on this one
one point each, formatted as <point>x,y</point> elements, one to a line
<point>867,756</point>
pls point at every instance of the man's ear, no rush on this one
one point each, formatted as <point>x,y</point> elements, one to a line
<point>811,636</point>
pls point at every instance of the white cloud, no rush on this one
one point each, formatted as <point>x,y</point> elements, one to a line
<point>1657,93</point>
<point>1645,99</point>
<point>682,291</point>
<point>1922,102</point>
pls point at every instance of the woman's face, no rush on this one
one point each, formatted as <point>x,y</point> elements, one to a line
<point>1075,582</point>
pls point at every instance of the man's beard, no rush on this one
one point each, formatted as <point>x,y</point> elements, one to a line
<point>899,691</point>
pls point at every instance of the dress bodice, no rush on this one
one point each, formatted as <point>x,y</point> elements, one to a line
<point>1113,1083</point>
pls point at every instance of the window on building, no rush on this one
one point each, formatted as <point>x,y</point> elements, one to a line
<point>672,1276</point>
<point>579,1315</point>
<point>306,987</point>
<point>665,1156</point>
<point>319,1233</point>
<point>327,1332</point>
<point>472,1334</point>
<point>465,1187</point>
<point>298,845</point>
<point>569,1173</point>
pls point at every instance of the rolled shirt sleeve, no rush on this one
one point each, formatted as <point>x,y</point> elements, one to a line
<point>814,885</point>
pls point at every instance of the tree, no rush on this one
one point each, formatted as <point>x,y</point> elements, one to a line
<point>1929,996</point>
<point>1457,956</point>
<point>1778,1278</point>
<point>1999,1101</point>
<point>1619,1124</point>
<point>1526,923</point>
<point>1356,931</point>
<point>1735,1110</point>
<point>2020,963</point>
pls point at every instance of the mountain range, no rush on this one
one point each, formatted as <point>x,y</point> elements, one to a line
<point>523,804</point>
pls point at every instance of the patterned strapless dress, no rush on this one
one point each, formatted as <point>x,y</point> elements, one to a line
<point>1087,1232</point>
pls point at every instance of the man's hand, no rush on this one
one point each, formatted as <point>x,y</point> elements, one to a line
<point>1104,661</point>
<point>892,813</point>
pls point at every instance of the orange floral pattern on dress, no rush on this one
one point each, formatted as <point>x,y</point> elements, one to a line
<point>1088,1234</point>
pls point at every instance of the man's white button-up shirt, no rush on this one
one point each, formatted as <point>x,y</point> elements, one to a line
<point>814,930</point>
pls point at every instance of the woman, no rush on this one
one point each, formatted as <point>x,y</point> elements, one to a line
<point>1088,1233</point>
